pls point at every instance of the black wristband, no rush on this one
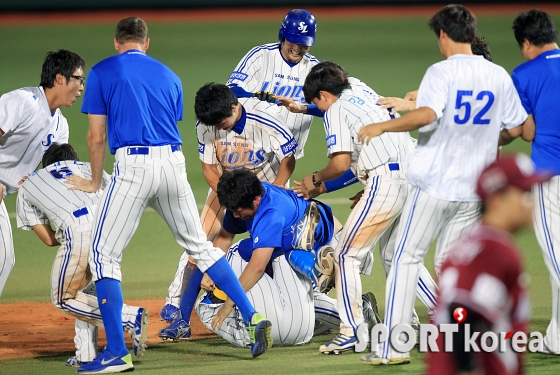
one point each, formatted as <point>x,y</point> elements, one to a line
<point>315,183</point>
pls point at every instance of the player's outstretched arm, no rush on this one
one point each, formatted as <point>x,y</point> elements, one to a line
<point>397,105</point>
<point>410,121</point>
<point>291,105</point>
<point>337,165</point>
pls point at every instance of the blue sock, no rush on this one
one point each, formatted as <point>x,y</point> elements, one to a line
<point>109,295</point>
<point>226,280</point>
<point>191,282</point>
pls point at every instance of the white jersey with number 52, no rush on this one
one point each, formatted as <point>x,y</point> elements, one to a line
<point>472,98</point>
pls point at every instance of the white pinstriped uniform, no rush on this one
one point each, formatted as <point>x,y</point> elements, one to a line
<point>472,98</point>
<point>287,299</point>
<point>546,221</point>
<point>157,179</point>
<point>264,69</point>
<point>44,198</point>
<point>380,166</point>
<point>29,129</point>
<point>261,147</point>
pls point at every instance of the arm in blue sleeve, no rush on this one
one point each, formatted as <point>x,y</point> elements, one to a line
<point>314,111</point>
<point>348,178</point>
<point>240,92</point>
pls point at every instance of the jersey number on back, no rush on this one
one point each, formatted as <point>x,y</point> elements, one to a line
<point>463,101</point>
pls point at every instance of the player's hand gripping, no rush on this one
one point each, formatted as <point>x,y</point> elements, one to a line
<point>222,314</point>
<point>395,105</point>
<point>80,183</point>
<point>207,283</point>
<point>291,105</point>
<point>265,96</point>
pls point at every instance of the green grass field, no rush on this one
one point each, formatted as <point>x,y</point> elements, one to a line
<point>391,55</point>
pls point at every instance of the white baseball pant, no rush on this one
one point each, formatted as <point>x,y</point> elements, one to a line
<point>7,255</point>
<point>159,180</point>
<point>286,300</point>
<point>211,219</point>
<point>546,221</point>
<point>423,219</point>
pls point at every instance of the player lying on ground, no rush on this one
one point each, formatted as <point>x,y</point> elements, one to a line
<point>267,262</point>
<point>305,227</point>
<point>44,201</point>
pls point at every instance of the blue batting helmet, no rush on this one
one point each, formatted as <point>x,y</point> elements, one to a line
<point>299,27</point>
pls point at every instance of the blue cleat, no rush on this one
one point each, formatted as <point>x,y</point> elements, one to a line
<point>107,363</point>
<point>168,312</point>
<point>140,333</point>
<point>259,333</point>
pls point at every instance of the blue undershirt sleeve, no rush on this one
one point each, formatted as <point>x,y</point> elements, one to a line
<point>348,178</point>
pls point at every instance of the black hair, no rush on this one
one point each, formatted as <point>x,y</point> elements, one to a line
<point>238,189</point>
<point>213,103</point>
<point>479,46</point>
<point>325,76</point>
<point>60,62</point>
<point>535,26</point>
<point>456,21</point>
<point>59,152</point>
<point>131,29</point>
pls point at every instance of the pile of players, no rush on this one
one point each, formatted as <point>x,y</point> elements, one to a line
<point>250,133</point>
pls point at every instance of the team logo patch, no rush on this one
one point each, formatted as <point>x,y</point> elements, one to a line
<point>289,147</point>
<point>302,27</point>
<point>47,142</point>
<point>201,148</point>
<point>331,140</point>
<point>238,76</point>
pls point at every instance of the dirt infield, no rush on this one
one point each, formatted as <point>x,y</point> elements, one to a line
<point>51,331</point>
<point>243,14</point>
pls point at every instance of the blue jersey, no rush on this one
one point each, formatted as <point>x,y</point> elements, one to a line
<point>122,86</point>
<point>276,218</point>
<point>538,84</point>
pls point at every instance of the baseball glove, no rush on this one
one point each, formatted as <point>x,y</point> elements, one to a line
<point>265,96</point>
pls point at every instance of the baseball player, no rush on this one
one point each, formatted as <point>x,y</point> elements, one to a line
<point>30,121</point>
<point>269,70</point>
<point>461,106</point>
<point>479,46</point>
<point>380,167</point>
<point>137,101</point>
<point>302,227</point>
<point>232,133</point>
<point>483,275</point>
<point>44,200</point>
<point>537,82</point>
